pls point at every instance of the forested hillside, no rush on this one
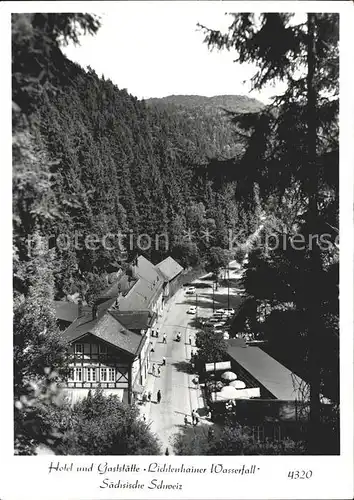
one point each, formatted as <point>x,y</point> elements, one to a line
<point>235,103</point>
<point>115,165</point>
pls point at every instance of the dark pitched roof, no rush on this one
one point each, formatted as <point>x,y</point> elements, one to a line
<point>147,271</point>
<point>146,289</point>
<point>169,268</point>
<point>275,377</point>
<point>68,311</point>
<point>121,285</point>
<point>107,328</point>
<point>134,320</point>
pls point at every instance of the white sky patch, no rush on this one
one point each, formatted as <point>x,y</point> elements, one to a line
<point>158,50</point>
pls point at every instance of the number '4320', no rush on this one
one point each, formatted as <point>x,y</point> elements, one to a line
<point>300,474</point>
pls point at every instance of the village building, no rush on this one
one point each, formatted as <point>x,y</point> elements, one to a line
<point>258,369</point>
<point>137,321</point>
<point>103,353</point>
<point>147,290</point>
<point>109,344</point>
<point>170,270</point>
<point>66,312</point>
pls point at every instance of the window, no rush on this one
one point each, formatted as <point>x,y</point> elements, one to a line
<point>71,374</point>
<point>103,349</point>
<point>78,374</point>
<point>103,374</point>
<point>91,374</point>
<point>111,374</point>
<point>79,349</point>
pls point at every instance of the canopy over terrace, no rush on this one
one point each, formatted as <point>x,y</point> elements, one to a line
<point>276,379</point>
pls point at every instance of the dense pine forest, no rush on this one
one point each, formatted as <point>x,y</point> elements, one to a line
<point>91,159</point>
<point>120,166</point>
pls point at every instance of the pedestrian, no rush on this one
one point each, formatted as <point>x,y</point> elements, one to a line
<point>158,371</point>
<point>190,340</point>
<point>144,417</point>
<point>167,452</point>
<point>196,419</point>
<point>149,396</point>
<point>164,338</point>
<point>157,333</point>
<point>152,333</point>
<point>163,361</point>
<point>193,417</point>
<point>186,420</point>
<point>158,396</point>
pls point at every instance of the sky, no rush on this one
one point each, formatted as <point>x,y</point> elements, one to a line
<point>156,50</point>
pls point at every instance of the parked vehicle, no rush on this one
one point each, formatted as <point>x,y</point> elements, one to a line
<point>190,290</point>
<point>230,311</point>
<point>214,319</point>
<point>192,310</point>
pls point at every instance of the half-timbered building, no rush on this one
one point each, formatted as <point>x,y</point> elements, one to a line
<point>103,353</point>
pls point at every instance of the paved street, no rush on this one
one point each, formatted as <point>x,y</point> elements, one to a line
<point>180,395</point>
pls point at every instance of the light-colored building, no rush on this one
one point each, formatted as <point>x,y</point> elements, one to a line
<point>147,290</point>
<point>170,270</point>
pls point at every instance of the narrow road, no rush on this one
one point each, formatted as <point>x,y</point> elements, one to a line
<point>174,381</point>
<point>180,395</point>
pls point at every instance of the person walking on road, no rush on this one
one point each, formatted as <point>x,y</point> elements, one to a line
<point>154,369</point>
<point>158,371</point>
<point>186,420</point>
<point>158,396</point>
<point>193,417</point>
<point>164,338</point>
<point>190,340</point>
<point>164,361</point>
<point>157,333</point>
<point>149,396</point>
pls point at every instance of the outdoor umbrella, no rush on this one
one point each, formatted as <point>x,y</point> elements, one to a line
<point>229,376</point>
<point>238,384</point>
<point>228,393</point>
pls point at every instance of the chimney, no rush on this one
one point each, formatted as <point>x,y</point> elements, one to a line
<point>79,308</point>
<point>94,311</point>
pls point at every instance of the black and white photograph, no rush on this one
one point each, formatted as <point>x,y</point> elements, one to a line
<point>176,241</point>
